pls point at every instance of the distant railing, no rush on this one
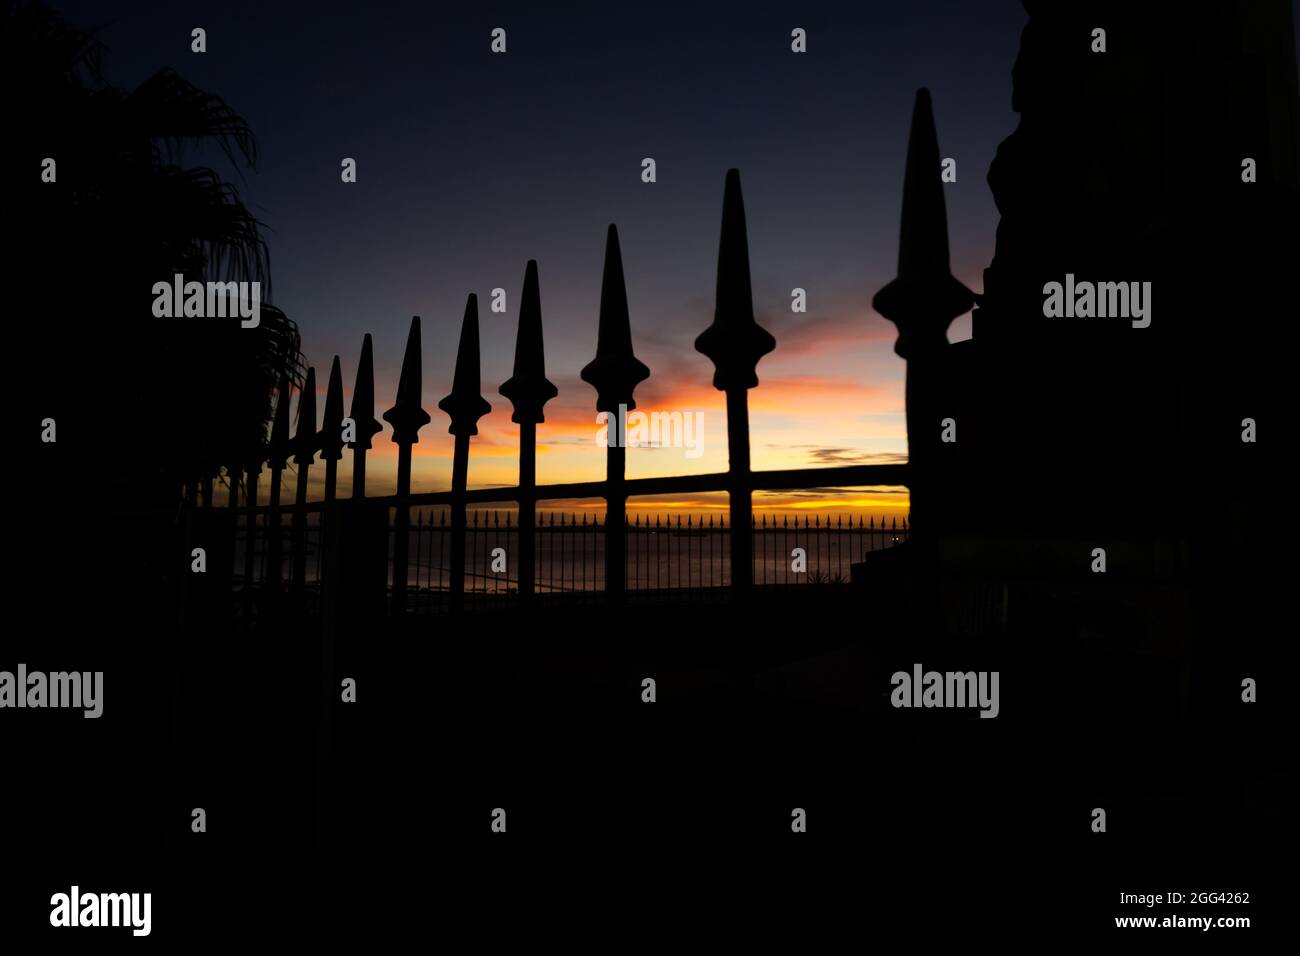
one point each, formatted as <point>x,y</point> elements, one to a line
<point>665,553</point>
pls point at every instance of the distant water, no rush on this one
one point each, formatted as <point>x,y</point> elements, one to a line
<point>573,560</point>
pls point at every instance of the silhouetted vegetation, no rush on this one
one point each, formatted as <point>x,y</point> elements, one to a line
<point>126,211</point>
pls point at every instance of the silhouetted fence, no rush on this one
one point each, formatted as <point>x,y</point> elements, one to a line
<point>365,556</point>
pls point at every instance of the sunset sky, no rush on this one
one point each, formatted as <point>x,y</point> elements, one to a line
<point>470,163</point>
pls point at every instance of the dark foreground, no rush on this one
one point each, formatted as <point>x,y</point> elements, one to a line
<point>327,820</point>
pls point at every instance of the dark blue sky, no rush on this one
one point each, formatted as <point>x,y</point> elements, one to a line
<point>471,163</point>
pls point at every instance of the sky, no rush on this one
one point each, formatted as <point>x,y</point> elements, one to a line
<point>469,163</point>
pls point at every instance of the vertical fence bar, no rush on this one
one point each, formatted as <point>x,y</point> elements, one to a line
<point>615,373</point>
<point>492,540</point>
<point>741,498</point>
<point>419,545</point>
<point>279,456</point>
<point>407,418</point>
<point>528,390</point>
<point>330,439</point>
<point>785,548</point>
<point>250,541</point>
<point>735,343</point>
<point>305,447</point>
<point>459,480</point>
<point>615,521</point>
<point>464,406</point>
<point>232,476</point>
<point>710,534</point>
<point>563,551</point>
<point>364,426</point>
<point>527,510</point>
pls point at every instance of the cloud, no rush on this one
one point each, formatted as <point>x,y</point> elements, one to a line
<point>802,336</point>
<point>852,456</point>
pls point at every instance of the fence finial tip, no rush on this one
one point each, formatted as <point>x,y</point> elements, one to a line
<point>925,297</point>
<point>615,372</point>
<point>528,388</point>
<point>734,342</point>
<point>363,397</point>
<point>304,439</point>
<point>406,416</point>
<point>466,405</point>
<point>330,438</point>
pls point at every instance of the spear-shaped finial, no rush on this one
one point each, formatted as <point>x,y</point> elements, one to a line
<point>925,297</point>
<point>304,439</point>
<point>330,440</point>
<point>363,399</point>
<point>528,388</point>
<point>406,416</point>
<point>364,424</point>
<point>279,447</point>
<point>615,371</point>
<point>466,405</point>
<point>735,342</point>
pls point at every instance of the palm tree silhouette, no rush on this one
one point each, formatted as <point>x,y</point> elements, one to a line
<point>125,211</point>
